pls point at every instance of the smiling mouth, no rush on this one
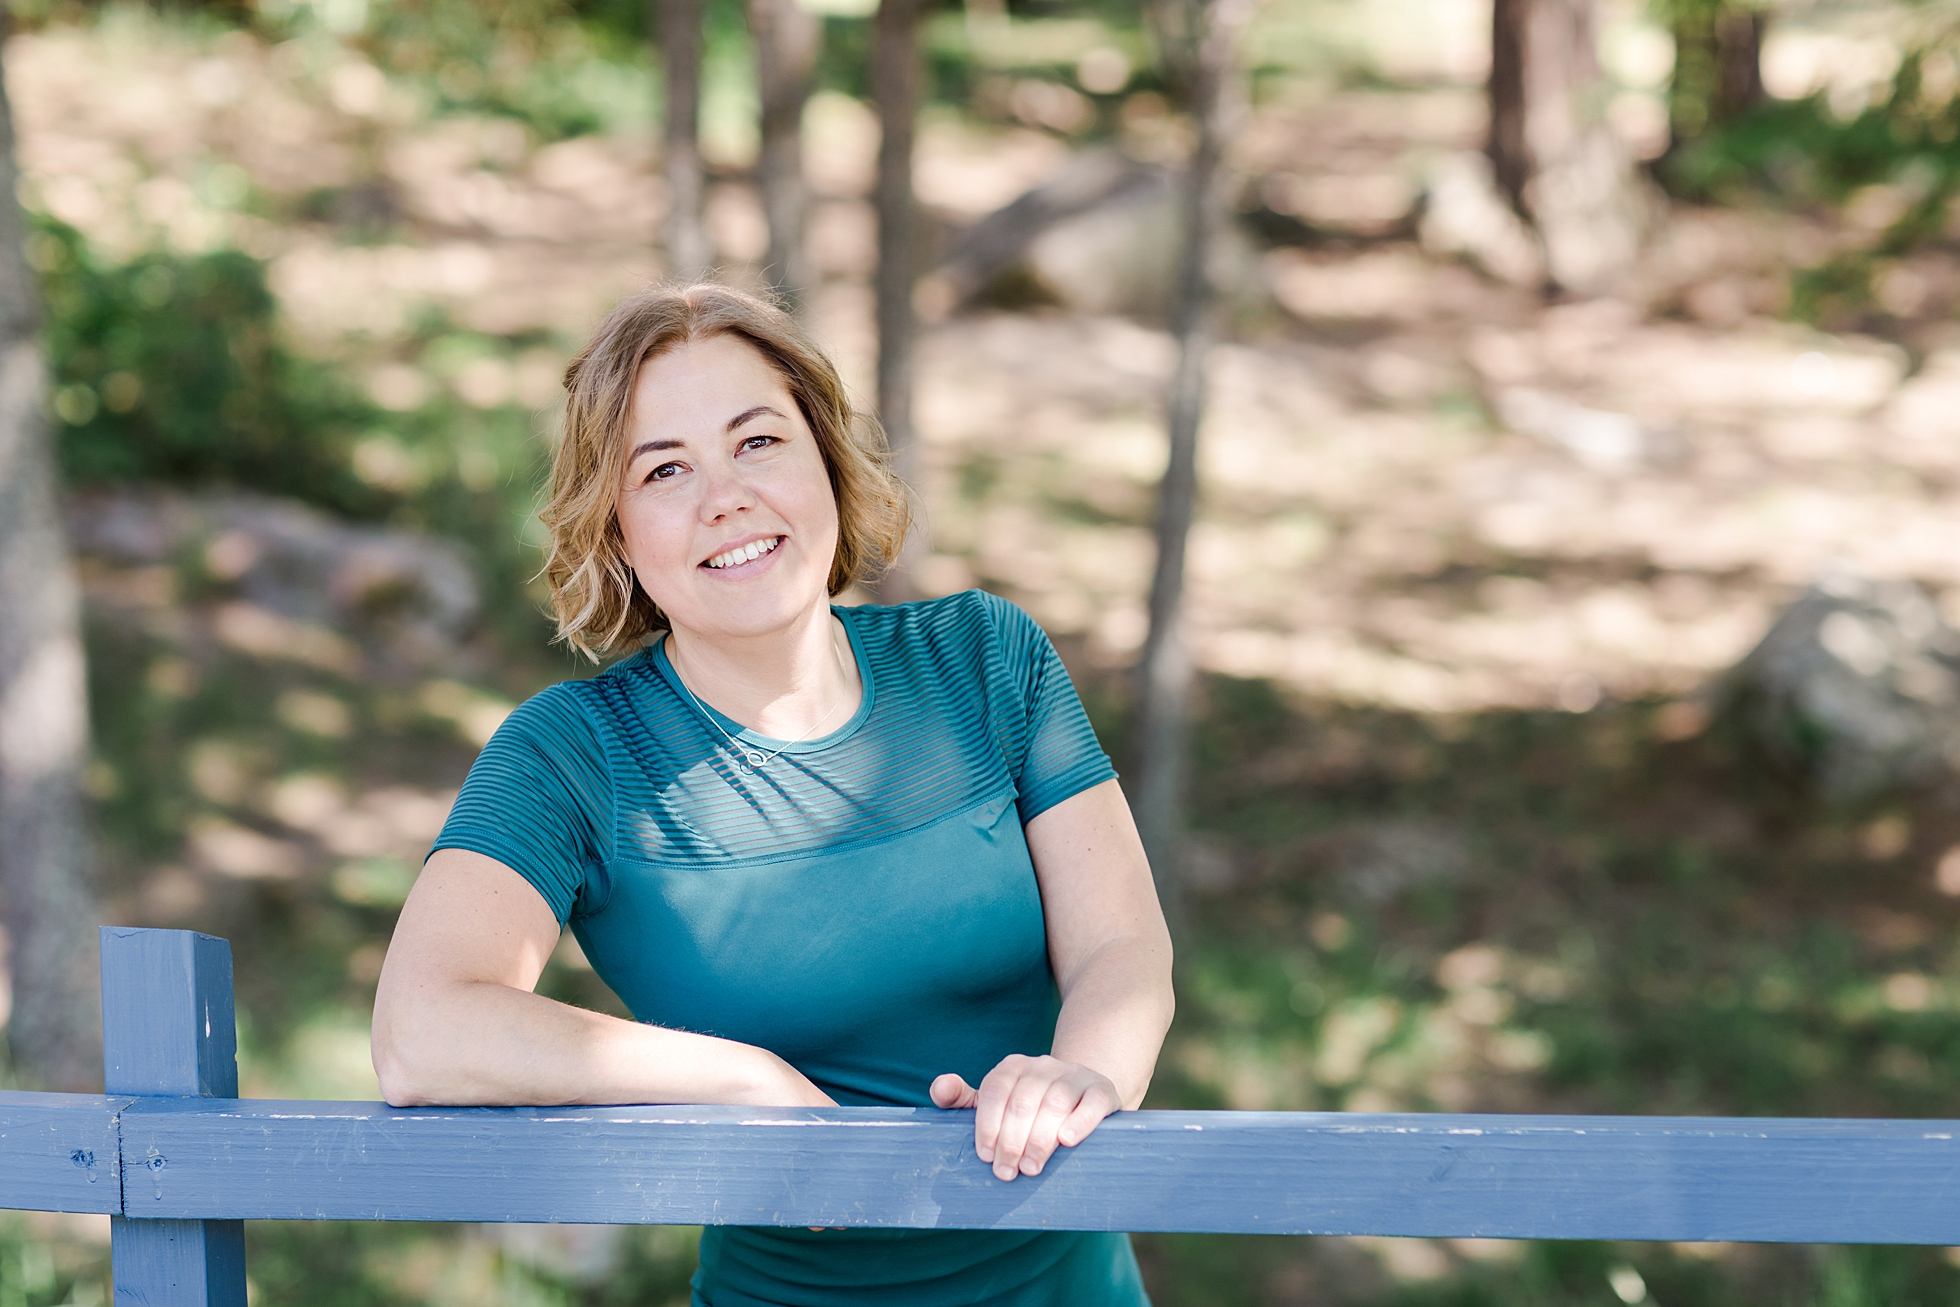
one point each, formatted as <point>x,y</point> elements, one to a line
<point>747,553</point>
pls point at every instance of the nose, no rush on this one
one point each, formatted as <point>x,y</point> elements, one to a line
<point>725,490</point>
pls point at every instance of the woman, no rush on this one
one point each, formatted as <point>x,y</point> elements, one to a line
<point>825,855</point>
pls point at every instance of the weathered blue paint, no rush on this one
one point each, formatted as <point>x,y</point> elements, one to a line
<point>58,1152</point>
<point>167,1023</point>
<point>1259,1172</point>
<point>178,1263</point>
<point>167,1028</point>
<point>179,1163</point>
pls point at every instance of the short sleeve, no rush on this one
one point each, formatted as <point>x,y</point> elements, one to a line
<point>539,799</point>
<point>1062,756</point>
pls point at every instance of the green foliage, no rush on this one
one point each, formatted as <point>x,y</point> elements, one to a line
<point>171,368</point>
<point>323,1263</point>
<point>372,1264</point>
<point>354,1264</point>
<point>1660,932</point>
<point>562,69</point>
<point>174,368</point>
<point>1675,934</point>
<point>36,1271</point>
<point>1714,40</point>
<point>1802,153</point>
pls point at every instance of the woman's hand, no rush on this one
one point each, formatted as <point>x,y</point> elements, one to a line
<point>1026,1106</point>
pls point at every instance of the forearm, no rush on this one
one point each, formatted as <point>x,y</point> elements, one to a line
<point>1116,1008</point>
<point>461,1043</point>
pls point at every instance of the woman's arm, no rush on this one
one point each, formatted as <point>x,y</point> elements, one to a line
<point>456,1023</point>
<point>1111,954</point>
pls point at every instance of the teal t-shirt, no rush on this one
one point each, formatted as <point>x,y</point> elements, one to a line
<point>863,906</point>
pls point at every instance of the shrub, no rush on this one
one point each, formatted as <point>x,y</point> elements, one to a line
<point>171,368</point>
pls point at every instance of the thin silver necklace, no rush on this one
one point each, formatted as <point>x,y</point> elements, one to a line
<point>752,758</point>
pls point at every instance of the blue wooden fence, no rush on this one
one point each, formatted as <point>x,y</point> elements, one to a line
<point>179,1162</point>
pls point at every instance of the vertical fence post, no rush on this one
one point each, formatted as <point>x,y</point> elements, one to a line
<point>167,1031</point>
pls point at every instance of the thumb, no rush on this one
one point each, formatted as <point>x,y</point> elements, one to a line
<point>949,1091</point>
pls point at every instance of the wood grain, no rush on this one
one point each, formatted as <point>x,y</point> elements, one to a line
<point>167,1023</point>
<point>180,1166</point>
<point>58,1152</point>
<point>1281,1173</point>
<point>167,1029</point>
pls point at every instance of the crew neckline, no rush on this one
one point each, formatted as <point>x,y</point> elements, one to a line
<point>767,743</point>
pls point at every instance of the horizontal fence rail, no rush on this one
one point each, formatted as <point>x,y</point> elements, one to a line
<point>178,1161</point>
<point>1512,1177</point>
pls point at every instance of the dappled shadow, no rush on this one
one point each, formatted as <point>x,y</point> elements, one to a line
<point>1622,909</point>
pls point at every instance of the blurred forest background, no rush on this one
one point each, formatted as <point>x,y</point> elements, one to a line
<point>1563,353</point>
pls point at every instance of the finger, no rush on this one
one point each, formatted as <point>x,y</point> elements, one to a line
<point>950,1091</point>
<point>1096,1103</point>
<point>1022,1106</point>
<point>1057,1101</point>
<point>991,1104</point>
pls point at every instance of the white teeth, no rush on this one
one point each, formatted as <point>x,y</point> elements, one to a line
<point>747,553</point>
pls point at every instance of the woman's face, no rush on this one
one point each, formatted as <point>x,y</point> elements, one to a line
<point>726,508</point>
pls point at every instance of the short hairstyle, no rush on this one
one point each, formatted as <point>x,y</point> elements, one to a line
<point>595,597</point>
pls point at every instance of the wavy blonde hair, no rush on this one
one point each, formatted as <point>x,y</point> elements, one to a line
<point>595,597</point>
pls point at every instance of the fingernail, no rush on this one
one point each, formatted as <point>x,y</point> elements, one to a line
<point>985,1154</point>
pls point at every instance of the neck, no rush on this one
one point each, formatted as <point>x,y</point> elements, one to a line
<point>787,683</point>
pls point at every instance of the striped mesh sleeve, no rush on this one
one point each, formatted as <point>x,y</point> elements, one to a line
<point>1061,756</point>
<point>539,799</point>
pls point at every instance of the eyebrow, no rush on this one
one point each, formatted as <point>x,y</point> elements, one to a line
<point>649,446</point>
<point>746,414</point>
<point>653,446</point>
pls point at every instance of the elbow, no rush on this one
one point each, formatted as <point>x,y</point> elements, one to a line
<point>1167,980</point>
<point>401,1085</point>
<point>401,1064</point>
<point>399,1088</point>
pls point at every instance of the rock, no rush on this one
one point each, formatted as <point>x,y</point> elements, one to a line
<point>1856,688</point>
<point>289,559</point>
<point>1605,441</point>
<point>1594,211</point>
<point>998,242</point>
<point>1464,214</point>
<point>1104,237</point>
<point>1120,256</point>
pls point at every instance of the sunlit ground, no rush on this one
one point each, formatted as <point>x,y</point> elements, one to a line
<point>1463,562</point>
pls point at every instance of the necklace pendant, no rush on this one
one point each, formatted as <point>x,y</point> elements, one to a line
<point>755,759</point>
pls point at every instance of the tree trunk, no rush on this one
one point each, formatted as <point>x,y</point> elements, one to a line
<point>688,251</point>
<point>1510,157</point>
<point>1200,38</point>
<point>895,79</point>
<point>1739,63</point>
<point>786,41</point>
<point>1718,72</point>
<point>1552,153</point>
<point>55,1027</point>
